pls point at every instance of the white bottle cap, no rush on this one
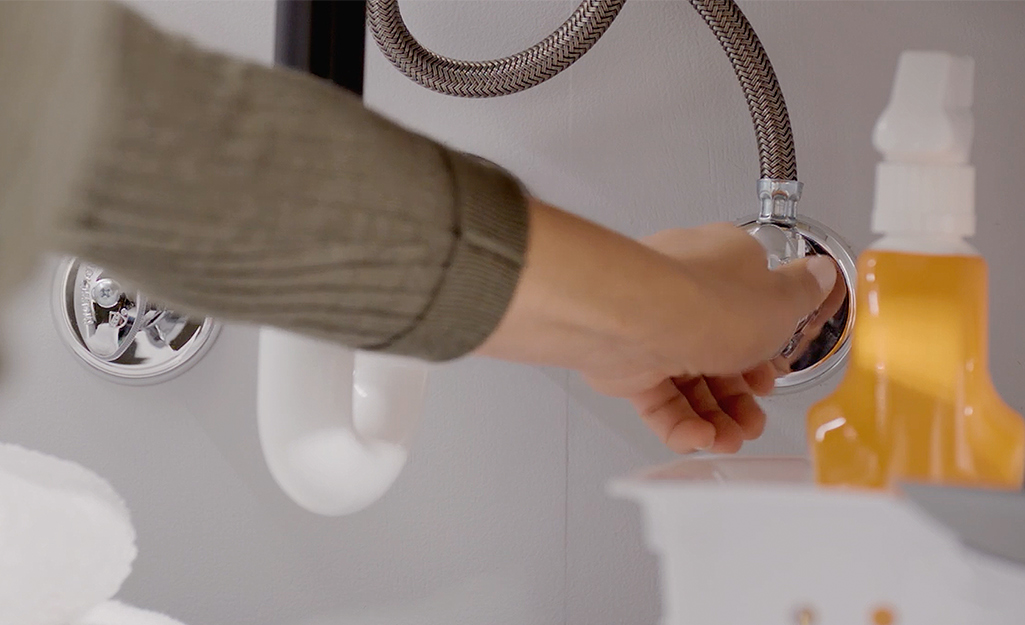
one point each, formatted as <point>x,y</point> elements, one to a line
<point>924,184</point>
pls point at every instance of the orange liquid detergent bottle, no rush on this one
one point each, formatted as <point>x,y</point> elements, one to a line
<point>917,402</point>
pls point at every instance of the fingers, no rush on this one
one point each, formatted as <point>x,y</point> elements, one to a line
<point>825,312</point>
<point>762,379</point>
<point>807,282</point>
<point>717,414</point>
<point>728,435</point>
<point>733,394</point>
<point>670,416</point>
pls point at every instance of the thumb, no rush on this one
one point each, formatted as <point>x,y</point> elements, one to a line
<point>807,282</point>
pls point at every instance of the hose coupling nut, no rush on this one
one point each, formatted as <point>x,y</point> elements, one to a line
<point>779,201</point>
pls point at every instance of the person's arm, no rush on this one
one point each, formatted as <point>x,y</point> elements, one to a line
<point>271,197</point>
<point>254,194</point>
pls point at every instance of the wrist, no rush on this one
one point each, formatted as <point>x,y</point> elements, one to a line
<point>582,287</point>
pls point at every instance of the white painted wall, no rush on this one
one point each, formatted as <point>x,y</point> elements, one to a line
<point>501,516</point>
<point>650,130</point>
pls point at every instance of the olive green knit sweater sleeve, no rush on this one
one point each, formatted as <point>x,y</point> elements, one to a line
<point>268,196</point>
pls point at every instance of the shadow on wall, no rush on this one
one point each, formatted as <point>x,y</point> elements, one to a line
<point>785,436</point>
<point>616,414</point>
<point>488,599</point>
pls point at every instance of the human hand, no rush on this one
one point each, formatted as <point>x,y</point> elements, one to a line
<point>687,324</point>
<point>748,313</point>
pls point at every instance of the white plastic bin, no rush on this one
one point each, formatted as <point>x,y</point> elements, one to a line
<point>752,541</point>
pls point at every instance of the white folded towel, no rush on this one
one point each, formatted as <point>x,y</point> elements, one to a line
<point>116,613</point>
<point>66,539</point>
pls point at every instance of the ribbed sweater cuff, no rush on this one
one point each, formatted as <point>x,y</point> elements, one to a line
<point>483,269</point>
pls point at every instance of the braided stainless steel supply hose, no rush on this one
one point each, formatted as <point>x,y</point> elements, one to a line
<point>533,66</point>
<point>784,234</point>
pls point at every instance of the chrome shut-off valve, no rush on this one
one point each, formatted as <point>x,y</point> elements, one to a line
<point>821,341</point>
<point>121,334</point>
